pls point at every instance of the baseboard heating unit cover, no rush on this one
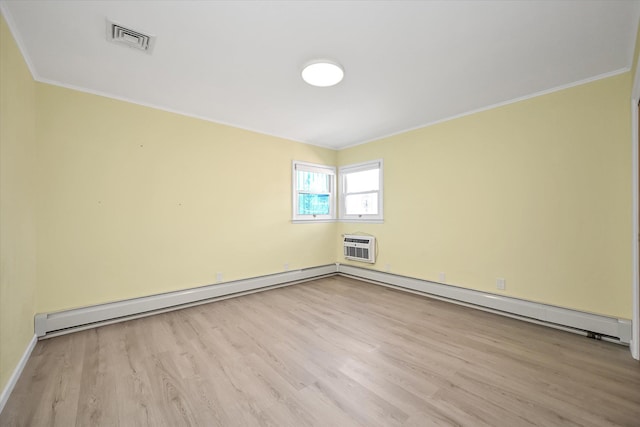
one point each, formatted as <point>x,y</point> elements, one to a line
<point>52,324</point>
<point>592,324</point>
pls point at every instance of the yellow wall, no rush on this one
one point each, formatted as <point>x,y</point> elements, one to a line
<point>135,201</point>
<point>17,205</point>
<point>537,192</point>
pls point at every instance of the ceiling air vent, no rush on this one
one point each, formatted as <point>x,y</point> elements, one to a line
<point>128,37</point>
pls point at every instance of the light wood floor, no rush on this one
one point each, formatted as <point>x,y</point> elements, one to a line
<point>333,352</point>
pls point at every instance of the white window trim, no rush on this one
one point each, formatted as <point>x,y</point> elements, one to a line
<point>375,219</point>
<point>312,167</point>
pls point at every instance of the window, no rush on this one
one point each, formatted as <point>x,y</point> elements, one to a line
<point>361,192</point>
<point>314,188</point>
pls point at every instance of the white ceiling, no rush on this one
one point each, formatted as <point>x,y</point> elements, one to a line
<point>407,64</point>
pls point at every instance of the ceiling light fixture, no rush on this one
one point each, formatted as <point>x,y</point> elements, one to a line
<point>322,73</point>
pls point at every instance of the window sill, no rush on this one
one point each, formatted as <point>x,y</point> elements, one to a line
<point>311,221</point>
<point>355,221</point>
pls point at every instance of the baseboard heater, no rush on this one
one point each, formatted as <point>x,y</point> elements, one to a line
<point>589,324</point>
<point>54,324</point>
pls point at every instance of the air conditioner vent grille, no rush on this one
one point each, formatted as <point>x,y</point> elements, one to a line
<point>128,37</point>
<point>360,248</point>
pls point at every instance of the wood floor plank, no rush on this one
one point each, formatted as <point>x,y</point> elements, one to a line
<point>542,406</point>
<point>53,397</point>
<point>336,352</point>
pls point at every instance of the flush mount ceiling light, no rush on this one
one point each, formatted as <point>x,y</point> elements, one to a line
<point>322,73</point>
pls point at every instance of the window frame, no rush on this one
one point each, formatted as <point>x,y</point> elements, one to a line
<point>343,171</point>
<point>313,167</point>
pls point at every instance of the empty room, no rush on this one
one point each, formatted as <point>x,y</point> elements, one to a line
<point>319,213</point>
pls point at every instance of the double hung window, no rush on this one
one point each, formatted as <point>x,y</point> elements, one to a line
<point>361,192</point>
<point>314,188</point>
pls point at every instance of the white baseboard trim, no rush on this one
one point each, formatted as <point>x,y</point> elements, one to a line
<point>13,379</point>
<point>53,324</point>
<point>553,316</point>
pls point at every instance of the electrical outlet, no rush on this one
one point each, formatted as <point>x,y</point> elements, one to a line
<point>387,268</point>
<point>218,277</point>
<point>501,284</point>
<point>442,278</point>
<point>286,266</point>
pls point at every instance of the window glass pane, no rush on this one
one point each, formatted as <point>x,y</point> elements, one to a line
<point>313,204</point>
<point>361,204</point>
<point>363,181</point>
<point>315,182</point>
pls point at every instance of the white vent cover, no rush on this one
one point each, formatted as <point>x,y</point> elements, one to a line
<point>359,248</point>
<point>126,36</point>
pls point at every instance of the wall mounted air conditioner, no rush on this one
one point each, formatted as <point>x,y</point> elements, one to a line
<point>359,248</point>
